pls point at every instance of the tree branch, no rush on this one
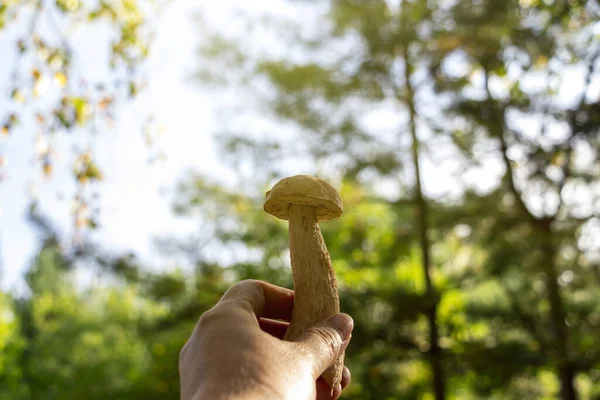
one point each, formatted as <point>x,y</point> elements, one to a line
<point>572,121</point>
<point>501,125</point>
<point>526,320</point>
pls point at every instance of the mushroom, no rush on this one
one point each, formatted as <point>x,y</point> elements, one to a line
<point>304,201</point>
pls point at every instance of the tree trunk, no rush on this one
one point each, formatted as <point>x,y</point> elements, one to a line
<point>566,370</point>
<point>435,353</point>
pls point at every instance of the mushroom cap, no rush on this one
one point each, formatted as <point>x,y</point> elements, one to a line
<point>306,190</point>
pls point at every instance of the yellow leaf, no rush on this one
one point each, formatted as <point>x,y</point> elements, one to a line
<point>72,5</point>
<point>36,90</point>
<point>93,172</point>
<point>541,61</point>
<point>105,102</point>
<point>528,3</point>
<point>4,130</point>
<point>81,108</point>
<point>61,79</point>
<point>47,169</point>
<point>86,157</point>
<point>18,96</point>
<point>36,74</point>
<point>557,159</point>
<point>81,221</point>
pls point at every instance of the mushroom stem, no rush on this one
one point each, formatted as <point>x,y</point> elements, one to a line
<point>315,288</point>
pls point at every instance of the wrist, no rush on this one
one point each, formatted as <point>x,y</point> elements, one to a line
<point>231,392</point>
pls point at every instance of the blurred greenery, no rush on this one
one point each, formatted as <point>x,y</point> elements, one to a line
<point>491,291</point>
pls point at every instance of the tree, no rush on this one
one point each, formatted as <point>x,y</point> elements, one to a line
<point>94,325</point>
<point>51,91</point>
<point>455,78</point>
<point>374,96</point>
<point>12,344</point>
<point>326,101</point>
<point>540,167</point>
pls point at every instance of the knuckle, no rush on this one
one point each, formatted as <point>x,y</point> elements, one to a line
<point>252,282</point>
<point>248,291</point>
<point>248,284</point>
<point>248,287</point>
<point>209,318</point>
<point>245,288</point>
<point>184,354</point>
<point>329,337</point>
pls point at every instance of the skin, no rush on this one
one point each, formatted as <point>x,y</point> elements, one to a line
<point>236,351</point>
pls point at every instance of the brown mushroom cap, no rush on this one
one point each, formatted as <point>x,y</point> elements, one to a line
<point>306,190</point>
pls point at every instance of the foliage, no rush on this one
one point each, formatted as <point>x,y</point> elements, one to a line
<point>379,88</point>
<point>52,91</point>
<point>113,339</point>
<point>460,83</point>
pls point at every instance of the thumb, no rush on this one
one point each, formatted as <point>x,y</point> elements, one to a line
<point>324,342</point>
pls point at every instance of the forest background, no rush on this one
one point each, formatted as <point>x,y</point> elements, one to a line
<point>138,138</point>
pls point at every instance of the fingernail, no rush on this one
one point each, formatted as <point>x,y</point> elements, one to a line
<point>345,343</point>
<point>342,323</point>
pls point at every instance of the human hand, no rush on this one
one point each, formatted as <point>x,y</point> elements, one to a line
<point>236,350</point>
